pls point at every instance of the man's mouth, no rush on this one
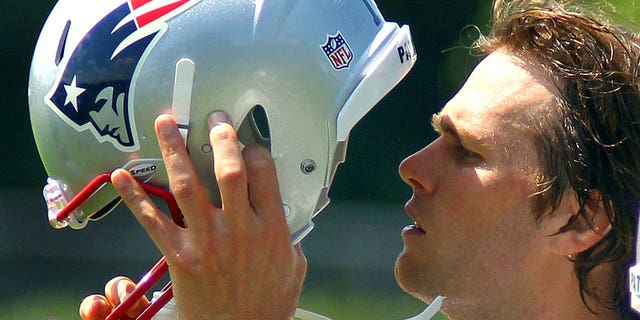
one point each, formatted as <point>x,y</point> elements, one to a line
<point>413,229</point>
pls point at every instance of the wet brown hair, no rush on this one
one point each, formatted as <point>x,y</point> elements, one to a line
<point>590,143</point>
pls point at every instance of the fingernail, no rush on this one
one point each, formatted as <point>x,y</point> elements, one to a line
<point>128,289</point>
<point>218,117</point>
<point>118,178</point>
<point>165,127</point>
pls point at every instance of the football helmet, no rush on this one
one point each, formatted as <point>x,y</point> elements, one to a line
<point>295,76</point>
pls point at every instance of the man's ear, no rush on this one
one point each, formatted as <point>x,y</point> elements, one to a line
<point>571,231</point>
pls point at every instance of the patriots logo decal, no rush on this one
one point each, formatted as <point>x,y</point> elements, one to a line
<point>95,85</point>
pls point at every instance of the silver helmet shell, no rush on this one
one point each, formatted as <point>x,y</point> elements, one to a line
<point>293,75</point>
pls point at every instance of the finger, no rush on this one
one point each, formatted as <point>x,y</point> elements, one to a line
<point>118,288</point>
<point>228,164</point>
<point>138,307</point>
<point>95,307</point>
<point>160,228</point>
<point>264,191</point>
<point>183,179</point>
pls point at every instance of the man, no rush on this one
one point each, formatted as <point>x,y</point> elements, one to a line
<point>524,207</point>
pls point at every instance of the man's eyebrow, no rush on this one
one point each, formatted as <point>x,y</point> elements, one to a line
<point>441,126</point>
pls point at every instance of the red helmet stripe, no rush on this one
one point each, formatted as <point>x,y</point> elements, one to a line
<point>156,14</point>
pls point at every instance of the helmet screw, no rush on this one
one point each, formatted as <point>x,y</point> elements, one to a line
<point>308,166</point>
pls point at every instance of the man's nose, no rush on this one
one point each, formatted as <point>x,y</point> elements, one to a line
<point>419,170</point>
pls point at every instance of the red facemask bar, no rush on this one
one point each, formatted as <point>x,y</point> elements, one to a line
<point>156,273</point>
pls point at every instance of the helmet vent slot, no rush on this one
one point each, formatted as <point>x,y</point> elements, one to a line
<point>105,210</point>
<point>62,43</point>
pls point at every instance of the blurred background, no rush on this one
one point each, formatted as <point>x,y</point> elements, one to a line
<point>351,253</point>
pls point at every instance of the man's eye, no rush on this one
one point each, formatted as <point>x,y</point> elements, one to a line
<point>465,156</point>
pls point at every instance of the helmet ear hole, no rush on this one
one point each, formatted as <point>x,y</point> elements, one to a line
<point>259,116</point>
<point>254,129</point>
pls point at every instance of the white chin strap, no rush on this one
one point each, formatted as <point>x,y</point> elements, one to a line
<point>302,314</point>
<point>426,314</point>
<point>431,310</point>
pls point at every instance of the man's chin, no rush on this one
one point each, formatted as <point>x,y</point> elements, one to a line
<point>405,274</point>
<point>411,279</point>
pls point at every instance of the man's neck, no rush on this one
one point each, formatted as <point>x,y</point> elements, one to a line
<point>551,295</point>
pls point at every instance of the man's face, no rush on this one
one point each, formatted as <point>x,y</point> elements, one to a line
<point>476,232</point>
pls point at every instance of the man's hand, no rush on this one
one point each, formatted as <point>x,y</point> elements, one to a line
<point>234,262</point>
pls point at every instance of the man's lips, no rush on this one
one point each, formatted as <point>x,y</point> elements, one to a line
<point>412,229</point>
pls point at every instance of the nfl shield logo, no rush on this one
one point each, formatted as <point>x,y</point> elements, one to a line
<point>337,51</point>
